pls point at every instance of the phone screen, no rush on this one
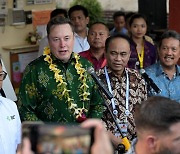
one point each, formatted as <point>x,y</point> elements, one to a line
<point>58,139</point>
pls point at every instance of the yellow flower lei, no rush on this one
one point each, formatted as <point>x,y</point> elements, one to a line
<point>65,92</point>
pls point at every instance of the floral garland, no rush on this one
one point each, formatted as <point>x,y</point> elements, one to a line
<point>78,112</point>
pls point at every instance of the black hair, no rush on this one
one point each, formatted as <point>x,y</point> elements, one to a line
<point>99,22</point>
<point>109,39</point>
<point>168,34</point>
<point>136,16</point>
<point>78,8</point>
<point>128,15</point>
<point>56,12</point>
<point>117,14</point>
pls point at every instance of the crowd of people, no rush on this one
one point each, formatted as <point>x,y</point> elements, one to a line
<point>57,87</point>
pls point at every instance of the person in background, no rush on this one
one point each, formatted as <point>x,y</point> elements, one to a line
<point>157,123</point>
<point>127,19</point>
<point>80,19</point>
<point>166,73</point>
<point>126,85</point>
<point>44,41</point>
<point>56,86</point>
<point>10,124</point>
<point>119,24</point>
<point>97,35</point>
<point>143,53</point>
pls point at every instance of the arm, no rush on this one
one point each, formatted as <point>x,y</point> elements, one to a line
<point>102,144</point>
<point>96,104</point>
<point>27,100</point>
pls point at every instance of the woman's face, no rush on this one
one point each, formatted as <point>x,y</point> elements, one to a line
<point>138,28</point>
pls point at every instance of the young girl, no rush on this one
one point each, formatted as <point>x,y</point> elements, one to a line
<point>143,53</point>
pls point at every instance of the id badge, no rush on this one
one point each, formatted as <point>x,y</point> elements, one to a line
<point>123,127</point>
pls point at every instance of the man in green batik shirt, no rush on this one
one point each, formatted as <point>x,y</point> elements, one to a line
<point>56,87</point>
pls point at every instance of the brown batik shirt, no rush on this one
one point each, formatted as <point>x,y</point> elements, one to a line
<point>137,94</point>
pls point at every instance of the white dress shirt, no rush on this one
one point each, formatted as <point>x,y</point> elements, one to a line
<point>80,44</point>
<point>10,126</point>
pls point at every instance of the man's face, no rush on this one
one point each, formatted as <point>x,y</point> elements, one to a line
<point>61,41</point>
<point>79,21</point>
<point>118,55</point>
<point>97,36</point>
<point>169,52</point>
<point>119,23</point>
<point>170,143</point>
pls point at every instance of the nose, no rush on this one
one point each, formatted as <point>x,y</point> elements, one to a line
<point>62,43</point>
<point>139,29</point>
<point>76,20</point>
<point>118,57</point>
<point>97,35</point>
<point>169,51</point>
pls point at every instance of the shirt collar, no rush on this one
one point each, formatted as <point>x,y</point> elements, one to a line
<point>90,53</point>
<point>76,35</point>
<point>110,72</point>
<point>160,70</point>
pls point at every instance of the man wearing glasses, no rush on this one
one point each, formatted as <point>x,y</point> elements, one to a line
<point>10,124</point>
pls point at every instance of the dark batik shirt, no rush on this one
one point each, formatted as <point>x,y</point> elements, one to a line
<point>150,55</point>
<point>39,98</point>
<point>137,94</point>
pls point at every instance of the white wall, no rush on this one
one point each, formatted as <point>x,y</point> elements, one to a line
<point>16,35</point>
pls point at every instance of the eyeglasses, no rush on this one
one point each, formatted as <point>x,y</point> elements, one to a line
<point>3,75</point>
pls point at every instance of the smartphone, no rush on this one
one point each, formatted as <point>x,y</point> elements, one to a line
<point>58,139</point>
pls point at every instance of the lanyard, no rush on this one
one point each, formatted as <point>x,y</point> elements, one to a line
<point>127,93</point>
<point>141,57</point>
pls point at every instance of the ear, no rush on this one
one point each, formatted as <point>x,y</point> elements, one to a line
<point>87,20</point>
<point>152,143</point>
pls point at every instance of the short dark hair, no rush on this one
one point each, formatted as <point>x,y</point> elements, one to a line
<point>78,8</point>
<point>56,12</point>
<point>99,22</point>
<point>157,113</point>
<point>109,39</point>
<point>58,21</point>
<point>136,16</point>
<point>128,16</point>
<point>118,14</point>
<point>168,34</point>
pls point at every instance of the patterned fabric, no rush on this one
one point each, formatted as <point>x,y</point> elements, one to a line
<point>39,98</point>
<point>137,94</point>
<point>96,63</point>
<point>149,39</point>
<point>132,149</point>
<point>150,55</point>
<point>169,88</point>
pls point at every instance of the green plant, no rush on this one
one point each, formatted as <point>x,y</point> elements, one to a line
<point>94,8</point>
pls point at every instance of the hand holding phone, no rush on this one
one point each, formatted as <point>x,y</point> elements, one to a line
<point>57,139</point>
